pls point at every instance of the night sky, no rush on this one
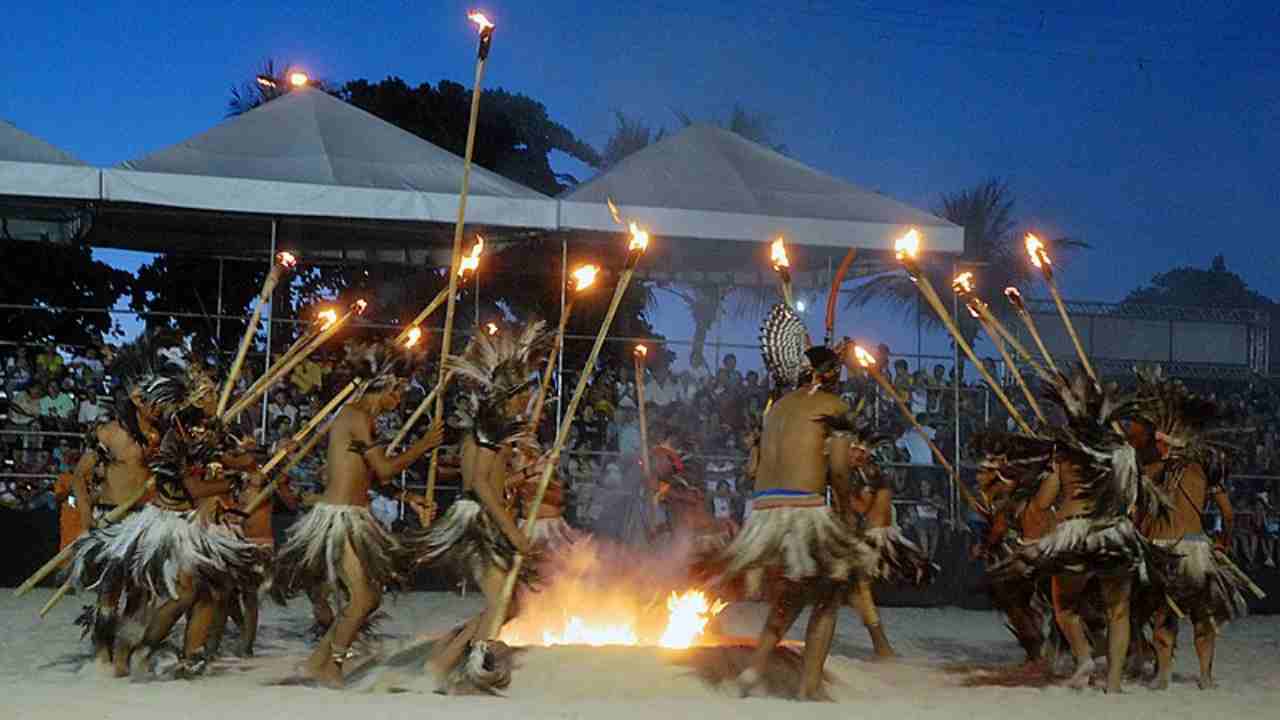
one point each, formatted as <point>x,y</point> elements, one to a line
<point>1152,131</point>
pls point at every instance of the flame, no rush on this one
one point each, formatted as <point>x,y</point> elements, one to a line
<point>778,255</point>
<point>1035,248</point>
<point>415,334</point>
<point>327,318</point>
<point>865,359</point>
<point>298,79</point>
<point>361,306</point>
<point>688,615</point>
<point>287,260</point>
<point>471,261</point>
<point>908,246</point>
<point>590,601</point>
<point>963,283</point>
<point>639,238</point>
<point>491,328</point>
<point>972,311</point>
<point>642,351</point>
<point>482,22</point>
<point>584,277</point>
<point>613,210</point>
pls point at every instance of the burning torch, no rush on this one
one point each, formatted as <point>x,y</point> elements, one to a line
<point>782,265</point>
<point>907,247</point>
<point>962,285</point>
<point>642,355</point>
<point>1014,296</point>
<point>1040,258</point>
<point>581,279</point>
<point>283,262</point>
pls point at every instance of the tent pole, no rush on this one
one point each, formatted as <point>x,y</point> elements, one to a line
<point>955,363</point>
<point>266,368</point>
<point>218,331</point>
<point>564,274</point>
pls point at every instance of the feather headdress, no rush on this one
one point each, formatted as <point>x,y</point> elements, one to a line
<point>494,369</point>
<point>783,341</point>
<point>1184,421</point>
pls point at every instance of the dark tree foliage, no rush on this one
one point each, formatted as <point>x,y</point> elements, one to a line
<point>56,276</point>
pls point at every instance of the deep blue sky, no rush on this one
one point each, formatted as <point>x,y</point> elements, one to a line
<point>1152,131</point>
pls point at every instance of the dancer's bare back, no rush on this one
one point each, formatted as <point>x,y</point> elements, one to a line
<point>794,453</point>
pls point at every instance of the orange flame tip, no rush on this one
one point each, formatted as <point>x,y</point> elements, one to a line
<point>361,306</point>
<point>415,334</point>
<point>491,328</point>
<point>963,283</point>
<point>865,359</point>
<point>639,238</point>
<point>642,351</point>
<point>908,246</point>
<point>584,277</point>
<point>1036,249</point>
<point>972,310</point>
<point>613,210</point>
<point>778,255</point>
<point>287,260</point>
<point>327,318</point>
<point>298,79</point>
<point>471,261</point>
<point>482,22</point>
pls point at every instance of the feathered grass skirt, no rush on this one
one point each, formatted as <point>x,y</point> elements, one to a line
<point>148,550</point>
<point>900,560</point>
<point>1205,583</point>
<point>1110,547</point>
<point>467,540</point>
<point>315,545</point>
<point>798,544</point>
<point>553,534</point>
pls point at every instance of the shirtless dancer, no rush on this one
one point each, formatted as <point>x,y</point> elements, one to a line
<point>109,473</point>
<point>794,550</point>
<point>478,536</point>
<point>338,542</point>
<point>1093,487</point>
<point>1205,585</point>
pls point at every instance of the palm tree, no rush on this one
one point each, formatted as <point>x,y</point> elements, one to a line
<point>272,82</point>
<point>992,250</point>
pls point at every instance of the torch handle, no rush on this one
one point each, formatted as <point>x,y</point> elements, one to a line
<point>446,341</point>
<point>268,287</point>
<point>1071,328</point>
<point>1030,324</point>
<point>985,311</point>
<point>553,457</point>
<point>926,289</point>
<point>644,423</point>
<point>431,307</point>
<point>417,413</point>
<point>545,385</point>
<point>285,368</point>
<point>289,354</point>
<point>1013,368</point>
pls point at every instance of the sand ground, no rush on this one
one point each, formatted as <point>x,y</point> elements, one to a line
<point>956,663</point>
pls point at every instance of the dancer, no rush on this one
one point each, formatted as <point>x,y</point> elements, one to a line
<point>551,534</point>
<point>1094,486</point>
<point>477,535</point>
<point>1189,468</point>
<point>871,502</point>
<point>338,543</point>
<point>794,550</point>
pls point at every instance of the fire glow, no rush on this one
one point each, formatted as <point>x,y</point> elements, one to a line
<point>591,601</point>
<point>1035,248</point>
<point>865,359</point>
<point>471,263</point>
<point>639,238</point>
<point>778,255</point>
<point>327,318</point>
<point>963,283</point>
<point>415,334</point>
<point>584,277</point>
<point>480,19</point>
<point>908,246</point>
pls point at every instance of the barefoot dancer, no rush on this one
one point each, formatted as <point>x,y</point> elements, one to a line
<point>477,536</point>
<point>1205,585</point>
<point>339,543</point>
<point>794,550</point>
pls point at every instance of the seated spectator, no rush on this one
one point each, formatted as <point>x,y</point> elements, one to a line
<point>24,414</point>
<point>90,412</point>
<point>308,376</point>
<point>49,363</point>
<point>58,408</point>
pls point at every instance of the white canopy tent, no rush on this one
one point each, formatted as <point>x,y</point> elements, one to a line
<point>310,154</point>
<point>41,188</point>
<point>705,183</point>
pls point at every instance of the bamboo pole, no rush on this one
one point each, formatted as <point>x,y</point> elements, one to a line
<point>1015,299</point>
<point>641,355</point>
<point>268,287</point>
<point>1008,361</point>
<point>486,35</point>
<point>1071,328</point>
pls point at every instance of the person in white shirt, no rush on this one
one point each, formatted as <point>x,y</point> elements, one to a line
<point>916,444</point>
<point>90,411</point>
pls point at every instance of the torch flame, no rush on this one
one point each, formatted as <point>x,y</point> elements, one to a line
<point>972,311</point>
<point>778,255</point>
<point>415,334</point>
<point>471,261</point>
<point>639,238</point>
<point>491,328</point>
<point>287,260</point>
<point>865,359</point>
<point>963,283</point>
<point>361,306</point>
<point>1014,295</point>
<point>482,22</point>
<point>327,318</point>
<point>1035,248</point>
<point>613,210</point>
<point>642,351</point>
<point>584,277</point>
<point>688,615</point>
<point>298,79</point>
<point>908,246</point>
